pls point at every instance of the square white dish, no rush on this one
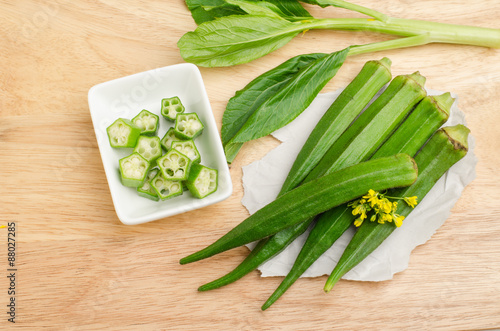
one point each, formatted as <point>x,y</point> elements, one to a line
<point>125,97</point>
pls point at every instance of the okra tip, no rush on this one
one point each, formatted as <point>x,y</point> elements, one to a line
<point>416,76</point>
<point>458,135</point>
<point>444,101</point>
<point>386,62</point>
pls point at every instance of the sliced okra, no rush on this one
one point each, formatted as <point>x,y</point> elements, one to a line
<point>188,126</point>
<point>146,190</point>
<point>168,138</point>
<point>147,122</point>
<point>123,133</point>
<point>202,181</point>
<point>149,148</point>
<point>133,170</point>
<point>166,188</point>
<point>188,148</point>
<point>170,107</point>
<point>174,165</point>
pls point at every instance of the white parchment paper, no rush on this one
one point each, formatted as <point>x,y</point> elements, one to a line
<point>262,181</point>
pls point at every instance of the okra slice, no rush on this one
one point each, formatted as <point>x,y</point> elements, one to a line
<point>174,165</point>
<point>166,188</point>
<point>146,190</point>
<point>188,148</point>
<point>170,107</point>
<point>149,148</point>
<point>202,181</point>
<point>133,170</point>
<point>123,133</point>
<point>147,122</point>
<point>188,126</point>
<point>168,138</point>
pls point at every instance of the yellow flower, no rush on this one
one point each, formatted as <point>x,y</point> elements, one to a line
<point>398,220</point>
<point>384,218</point>
<point>385,205</point>
<point>372,197</point>
<point>358,222</point>
<point>411,201</point>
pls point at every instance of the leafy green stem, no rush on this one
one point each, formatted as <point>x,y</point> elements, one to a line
<point>350,6</point>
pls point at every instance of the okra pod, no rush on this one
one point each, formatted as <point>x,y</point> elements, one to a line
<point>313,198</point>
<point>149,148</point>
<point>174,165</point>
<point>406,89</point>
<point>123,133</point>
<point>133,170</point>
<point>146,190</point>
<point>188,148</point>
<point>346,107</point>
<point>410,136</point>
<point>202,181</point>
<point>168,139</point>
<point>170,107</point>
<point>166,188</point>
<point>444,149</point>
<point>147,122</point>
<point>188,126</point>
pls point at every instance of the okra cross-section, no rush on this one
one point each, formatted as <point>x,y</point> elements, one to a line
<point>168,139</point>
<point>166,188</point>
<point>174,165</point>
<point>149,148</point>
<point>146,190</point>
<point>202,181</point>
<point>188,148</point>
<point>188,125</point>
<point>123,133</point>
<point>147,122</point>
<point>133,170</point>
<point>170,107</point>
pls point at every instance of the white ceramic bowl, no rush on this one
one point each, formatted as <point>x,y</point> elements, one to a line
<point>126,97</point>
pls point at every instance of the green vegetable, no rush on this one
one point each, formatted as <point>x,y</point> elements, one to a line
<point>166,188</point>
<point>425,119</point>
<point>188,126</point>
<point>202,181</point>
<point>246,101</point>
<point>237,39</point>
<point>174,165</point>
<point>357,142</point>
<point>285,104</point>
<point>313,198</point>
<point>168,138</point>
<point>443,150</point>
<point>133,170</point>
<point>170,107</point>
<point>147,122</point>
<point>188,148</point>
<point>346,107</point>
<point>374,125</point>
<point>146,190</point>
<point>123,133</point>
<point>149,148</point>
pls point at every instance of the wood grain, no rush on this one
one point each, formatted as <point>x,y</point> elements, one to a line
<point>79,268</point>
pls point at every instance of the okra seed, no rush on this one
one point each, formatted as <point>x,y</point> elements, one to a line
<point>142,150</point>
<point>170,172</point>
<point>182,162</point>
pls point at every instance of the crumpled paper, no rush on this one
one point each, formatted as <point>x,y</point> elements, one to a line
<point>262,181</point>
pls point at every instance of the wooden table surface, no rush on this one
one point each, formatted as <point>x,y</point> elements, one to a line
<point>78,267</point>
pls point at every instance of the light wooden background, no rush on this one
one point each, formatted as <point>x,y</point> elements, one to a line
<point>80,268</point>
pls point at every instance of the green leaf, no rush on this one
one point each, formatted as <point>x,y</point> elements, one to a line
<point>242,105</point>
<point>236,39</point>
<point>290,8</point>
<point>258,8</point>
<point>208,10</point>
<point>291,99</point>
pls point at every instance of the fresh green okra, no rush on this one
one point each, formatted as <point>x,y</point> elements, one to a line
<point>146,190</point>
<point>174,165</point>
<point>133,170</point>
<point>202,181</point>
<point>313,198</point>
<point>170,107</point>
<point>168,139</point>
<point>409,137</point>
<point>444,149</point>
<point>123,133</point>
<point>147,122</point>
<point>188,126</point>
<point>149,148</point>
<point>346,107</point>
<point>374,122</point>
<point>188,148</point>
<point>166,188</point>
